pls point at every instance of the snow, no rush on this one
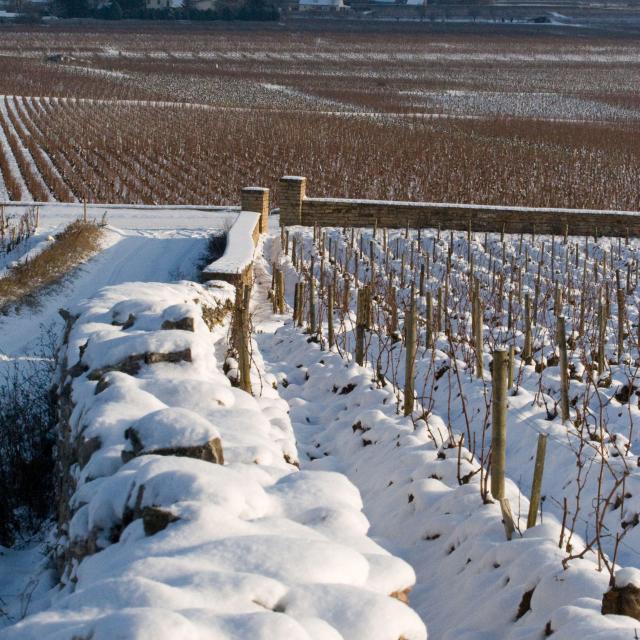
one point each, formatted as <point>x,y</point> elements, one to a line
<point>148,218</point>
<point>412,499</point>
<point>409,478</point>
<point>255,548</point>
<point>151,244</point>
<point>627,576</point>
<point>322,3</point>
<point>462,206</point>
<point>24,577</point>
<point>531,418</point>
<point>240,249</point>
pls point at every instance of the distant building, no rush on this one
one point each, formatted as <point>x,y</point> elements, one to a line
<point>389,3</point>
<point>163,4</point>
<point>198,5</point>
<point>321,5</point>
<point>204,5</point>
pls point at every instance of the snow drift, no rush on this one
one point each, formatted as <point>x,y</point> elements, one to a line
<point>182,513</point>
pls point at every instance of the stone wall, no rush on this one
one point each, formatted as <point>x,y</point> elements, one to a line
<point>296,208</point>
<point>236,264</point>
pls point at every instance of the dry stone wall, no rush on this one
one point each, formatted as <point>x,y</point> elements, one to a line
<point>297,209</point>
<point>183,510</point>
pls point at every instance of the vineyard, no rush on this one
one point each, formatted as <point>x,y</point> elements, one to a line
<point>103,151</point>
<point>368,419</point>
<point>432,315</point>
<point>189,116</point>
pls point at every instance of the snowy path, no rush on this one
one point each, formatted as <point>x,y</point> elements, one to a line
<point>127,256</point>
<point>269,360</point>
<point>146,245</point>
<point>266,359</point>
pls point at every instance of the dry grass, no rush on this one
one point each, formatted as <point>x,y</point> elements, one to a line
<point>26,281</point>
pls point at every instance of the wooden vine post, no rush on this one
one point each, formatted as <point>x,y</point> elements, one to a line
<point>393,313</point>
<point>244,335</point>
<point>313,318</point>
<point>300,320</point>
<point>499,437</point>
<point>536,485</point>
<point>477,338</point>
<point>274,290</point>
<point>330,303</point>
<point>280,290</point>
<point>361,324</point>
<point>511,367</point>
<point>564,369</point>
<point>527,350</point>
<point>411,345</point>
<point>621,318</point>
<point>602,329</point>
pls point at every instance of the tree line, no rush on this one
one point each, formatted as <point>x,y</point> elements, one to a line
<point>187,10</point>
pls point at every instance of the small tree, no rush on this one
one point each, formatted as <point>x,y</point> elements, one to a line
<point>111,11</point>
<point>73,8</point>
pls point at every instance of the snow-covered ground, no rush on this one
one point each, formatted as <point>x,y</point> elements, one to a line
<point>421,485</point>
<point>256,548</point>
<point>140,244</point>
<point>596,405</point>
<point>187,517</point>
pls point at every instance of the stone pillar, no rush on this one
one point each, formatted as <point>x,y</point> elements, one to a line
<point>257,199</point>
<point>290,196</point>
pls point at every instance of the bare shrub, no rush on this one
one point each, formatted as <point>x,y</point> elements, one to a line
<point>27,437</point>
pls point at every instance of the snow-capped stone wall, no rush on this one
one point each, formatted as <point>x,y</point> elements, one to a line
<point>235,265</point>
<point>182,512</point>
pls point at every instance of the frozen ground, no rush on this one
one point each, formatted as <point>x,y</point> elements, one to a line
<point>154,245</point>
<point>409,477</point>
<point>252,548</point>
<point>140,244</point>
<point>295,557</point>
<point>545,106</point>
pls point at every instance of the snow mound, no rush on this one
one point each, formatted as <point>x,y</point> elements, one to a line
<point>423,495</point>
<point>183,516</point>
